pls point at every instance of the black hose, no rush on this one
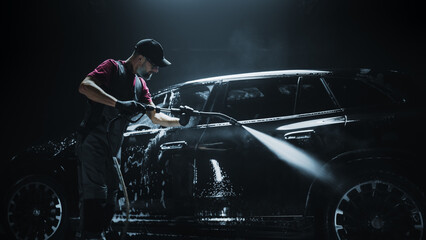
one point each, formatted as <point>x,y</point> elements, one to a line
<point>119,173</point>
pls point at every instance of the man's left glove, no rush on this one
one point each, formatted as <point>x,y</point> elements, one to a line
<point>185,114</point>
<point>130,107</point>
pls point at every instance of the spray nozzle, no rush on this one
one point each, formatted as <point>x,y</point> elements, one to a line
<point>234,121</point>
<point>225,117</point>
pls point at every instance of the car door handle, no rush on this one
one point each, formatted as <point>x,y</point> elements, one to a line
<point>216,146</point>
<point>173,145</point>
<point>298,135</point>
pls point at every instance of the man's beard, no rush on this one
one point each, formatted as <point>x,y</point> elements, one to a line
<point>147,76</point>
<point>143,74</point>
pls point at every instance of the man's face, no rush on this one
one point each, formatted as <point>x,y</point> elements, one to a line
<point>146,69</point>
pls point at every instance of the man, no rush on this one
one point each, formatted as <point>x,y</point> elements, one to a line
<point>113,88</point>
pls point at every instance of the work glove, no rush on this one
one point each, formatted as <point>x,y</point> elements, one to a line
<point>152,108</point>
<point>185,114</point>
<point>129,107</point>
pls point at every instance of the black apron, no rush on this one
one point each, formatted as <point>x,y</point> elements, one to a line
<point>98,116</point>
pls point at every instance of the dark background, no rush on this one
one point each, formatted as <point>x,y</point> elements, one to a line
<point>50,45</point>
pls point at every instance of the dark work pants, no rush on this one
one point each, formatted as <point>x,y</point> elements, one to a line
<point>98,184</point>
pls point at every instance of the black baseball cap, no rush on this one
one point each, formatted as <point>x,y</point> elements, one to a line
<point>152,50</point>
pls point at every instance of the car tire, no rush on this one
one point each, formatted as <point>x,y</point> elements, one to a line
<point>36,208</point>
<point>375,205</point>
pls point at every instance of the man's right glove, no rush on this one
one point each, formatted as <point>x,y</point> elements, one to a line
<point>130,107</point>
<point>185,114</point>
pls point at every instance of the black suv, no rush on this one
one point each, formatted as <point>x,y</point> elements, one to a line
<point>332,153</point>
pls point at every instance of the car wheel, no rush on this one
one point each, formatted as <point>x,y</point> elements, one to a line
<point>36,209</point>
<point>375,206</point>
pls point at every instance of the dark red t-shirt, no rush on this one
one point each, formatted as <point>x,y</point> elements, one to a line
<point>108,68</point>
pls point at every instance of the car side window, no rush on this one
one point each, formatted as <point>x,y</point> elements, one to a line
<point>312,96</point>
<point>260,98</point>
<point>356,93</point>
<point>162,100</point>
<point>194,96</point>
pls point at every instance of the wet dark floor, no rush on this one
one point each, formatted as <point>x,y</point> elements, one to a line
<point>175,231</point>
<point>225,228</point>
<point>212,233</point>
<point>141,236</point>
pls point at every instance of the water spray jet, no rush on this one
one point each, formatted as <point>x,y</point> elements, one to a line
<point>291,155</point>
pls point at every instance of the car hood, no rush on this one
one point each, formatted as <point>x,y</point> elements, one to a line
<point>51,148</point>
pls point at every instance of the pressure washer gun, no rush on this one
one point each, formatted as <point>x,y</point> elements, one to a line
<point>188,111</point>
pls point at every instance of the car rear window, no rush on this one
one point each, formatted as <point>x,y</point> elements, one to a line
<point>356,93</point>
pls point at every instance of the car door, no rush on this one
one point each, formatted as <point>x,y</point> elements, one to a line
<point>246,174</point>
<point>158,162</point>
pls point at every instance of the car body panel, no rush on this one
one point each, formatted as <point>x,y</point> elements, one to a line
<point>213,174</point>
<point>222,168</point>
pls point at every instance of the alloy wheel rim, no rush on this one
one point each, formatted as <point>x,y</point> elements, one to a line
<point>34,211</point>
<point>380,210</point>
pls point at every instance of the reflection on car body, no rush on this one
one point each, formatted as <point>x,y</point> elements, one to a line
<point>360,176</point>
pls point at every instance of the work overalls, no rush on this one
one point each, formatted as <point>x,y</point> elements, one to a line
<point>98,179</point>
